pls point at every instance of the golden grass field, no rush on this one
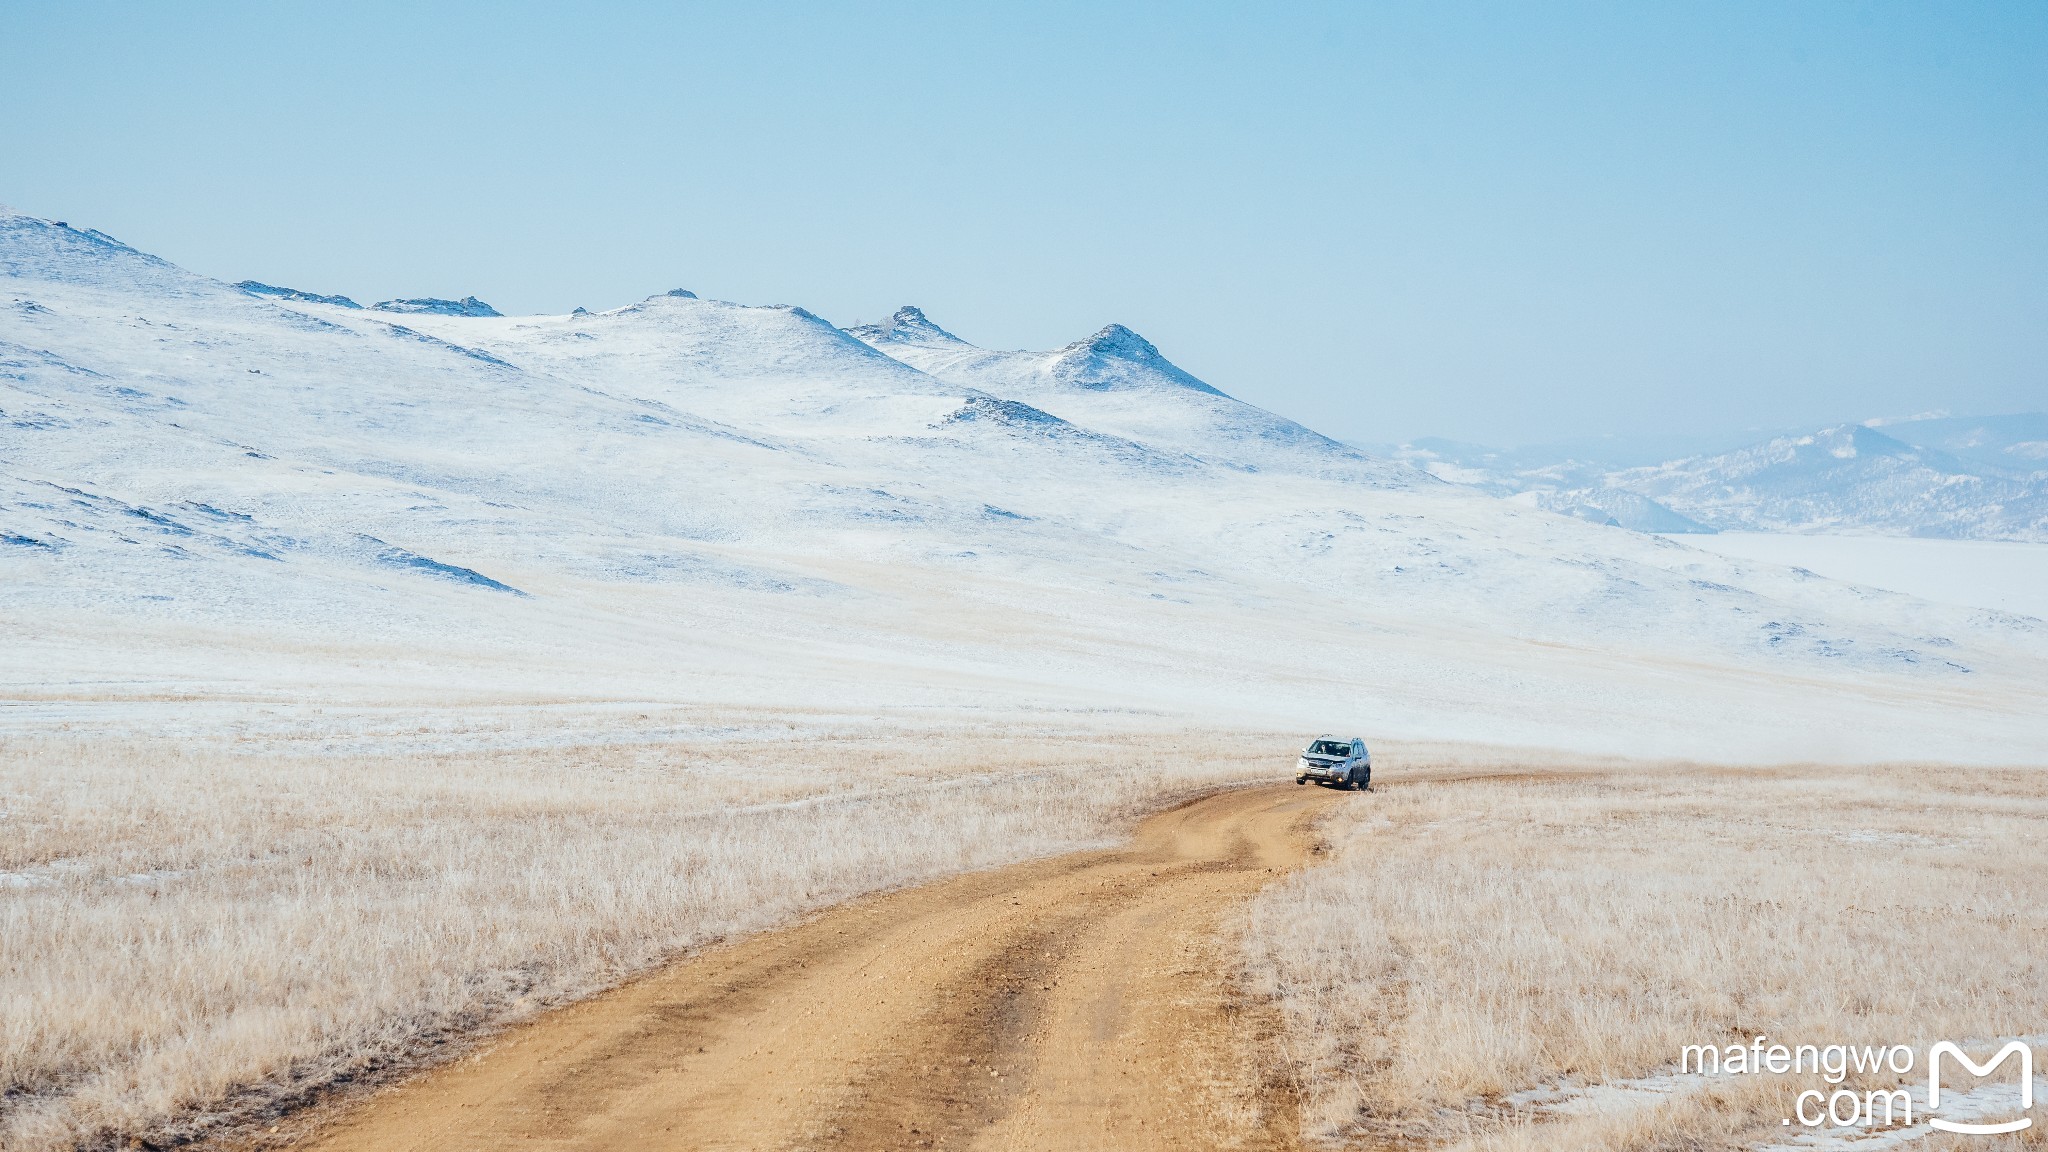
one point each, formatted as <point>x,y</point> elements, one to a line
<point>195,933</point>
<point>192,933</point>
<point>1477,935</point>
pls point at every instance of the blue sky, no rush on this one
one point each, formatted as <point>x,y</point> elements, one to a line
<point>1504,223</point>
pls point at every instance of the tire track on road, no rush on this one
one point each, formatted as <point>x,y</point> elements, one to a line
<point>1078,1002</point>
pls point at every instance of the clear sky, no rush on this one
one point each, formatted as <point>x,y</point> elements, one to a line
<point>1505,223</point>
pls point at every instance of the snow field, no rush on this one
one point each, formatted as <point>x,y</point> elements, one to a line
<point>212,493</point>
<point>2002,575</point>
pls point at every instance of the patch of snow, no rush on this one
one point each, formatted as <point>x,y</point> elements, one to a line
<point>43,875</point>
<point>1991,1100</point>
<point>1605,1098</point>
<point>1986,1102</point>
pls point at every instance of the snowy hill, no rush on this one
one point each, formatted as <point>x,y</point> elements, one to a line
<point>213,493</point>
<point>1982,478</point>
<point>1115,381</point>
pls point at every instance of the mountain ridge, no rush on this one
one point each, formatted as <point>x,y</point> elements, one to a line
<point>1980,478</point>
<point>1118,382</point>
<point>206,494</point>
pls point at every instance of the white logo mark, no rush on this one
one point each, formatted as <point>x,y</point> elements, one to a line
<point>1980,1070</point>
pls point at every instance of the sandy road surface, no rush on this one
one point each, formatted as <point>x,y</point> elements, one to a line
<point>1065,1004</point>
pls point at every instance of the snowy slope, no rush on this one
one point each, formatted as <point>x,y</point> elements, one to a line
<point>225,494</point>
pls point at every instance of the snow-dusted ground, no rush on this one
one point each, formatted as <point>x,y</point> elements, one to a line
<point>214,499</point>
<point>1987,1102</point>
<point>2004,575</point>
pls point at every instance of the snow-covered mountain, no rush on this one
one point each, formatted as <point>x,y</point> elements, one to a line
<point>1983,478</point>
<point>2015,446</point>
<point>1115,381</point>
<point>218,492</point>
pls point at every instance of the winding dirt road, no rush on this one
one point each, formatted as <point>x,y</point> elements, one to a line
<point>1080,1002</point>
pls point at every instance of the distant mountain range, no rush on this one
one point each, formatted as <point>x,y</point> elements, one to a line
<point>268,493</point>
<point>1982,478</point>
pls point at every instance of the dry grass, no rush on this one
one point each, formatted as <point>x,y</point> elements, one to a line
<point>1476,937</point>
<point>193,934</point>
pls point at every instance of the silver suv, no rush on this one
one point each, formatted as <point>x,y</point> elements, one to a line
<point>1329,760</point>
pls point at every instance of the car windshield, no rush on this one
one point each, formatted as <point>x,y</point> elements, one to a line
<point>1329,748</point>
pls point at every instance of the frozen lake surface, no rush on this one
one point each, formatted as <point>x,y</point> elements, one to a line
<point>2001,574</point>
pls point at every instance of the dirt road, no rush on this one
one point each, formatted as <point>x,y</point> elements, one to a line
<point>1066,1004</point>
